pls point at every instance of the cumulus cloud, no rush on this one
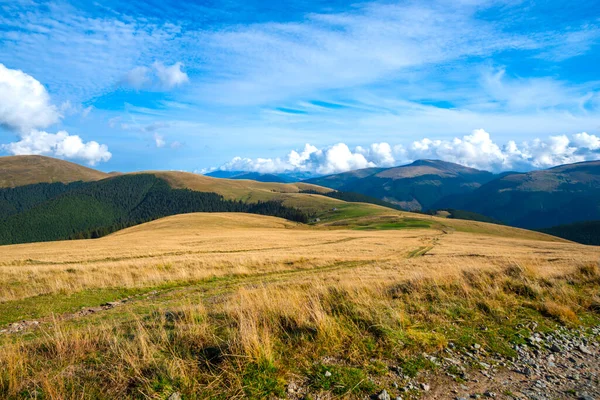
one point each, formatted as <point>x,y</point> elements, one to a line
<point>158,77</point>
<point>24,102</point>
<point>476,150</point>
<point>172,76</point>
<point>25,108</point>
<point>60,144</point>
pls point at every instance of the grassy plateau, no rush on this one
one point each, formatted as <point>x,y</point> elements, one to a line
<point>241,306</point>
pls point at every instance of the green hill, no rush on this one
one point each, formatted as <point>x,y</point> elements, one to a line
<point>414,187</point>
<point>537,199</point>
<point>45,212</point>
<point>587,232</point>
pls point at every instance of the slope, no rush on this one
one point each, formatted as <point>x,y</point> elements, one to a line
<point>537,199</point>
<point>27,170</point>
<point>44,212</point>
<point>416,186</point>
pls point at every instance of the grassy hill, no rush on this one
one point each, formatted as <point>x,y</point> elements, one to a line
<point>27,170</point>
<point>230,305</point>
<point>45,212</point>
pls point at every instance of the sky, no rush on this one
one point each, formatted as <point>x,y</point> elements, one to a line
<point>306,86</point>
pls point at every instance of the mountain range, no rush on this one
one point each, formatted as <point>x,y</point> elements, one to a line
<point>415,187</point>
<point>538,199</point>
<point>37,189</point>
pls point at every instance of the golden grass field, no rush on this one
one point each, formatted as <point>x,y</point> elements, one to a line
<point>236,305</point>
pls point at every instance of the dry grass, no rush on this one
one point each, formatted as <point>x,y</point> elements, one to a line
<point>287,302</point>
<point>246,190</point>
<point>200,246</point>
<point>26,170</point>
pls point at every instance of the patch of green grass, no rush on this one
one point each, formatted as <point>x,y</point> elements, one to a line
<point>45,305</point>
<point>261,380</point>
<point>341,381</point>
<point>413,365</point>
<point>404,224</point>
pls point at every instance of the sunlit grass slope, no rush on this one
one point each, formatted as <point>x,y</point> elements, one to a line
<point>238,306</point>
<point>27,170</point>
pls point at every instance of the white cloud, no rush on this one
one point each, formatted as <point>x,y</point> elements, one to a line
<point>24,102</point>
<point>476,150</point>
<point>159,140</point>
<point>59,144</point>
<point>159,77</point>
<point>138,77</point>
<point>25,106</point>
<point>170,77</point>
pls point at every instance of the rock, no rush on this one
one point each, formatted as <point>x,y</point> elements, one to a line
<point>585,396</point>
<point>489,394</point>
<point>425,387</point>
<point>584,349</point>
<point>526,371</point>
<point>476,346</point>
<point>175,396</point>
<point>292,387</point>
<point>383,395</point>
<point>327,374</point>
<point>555,349</point>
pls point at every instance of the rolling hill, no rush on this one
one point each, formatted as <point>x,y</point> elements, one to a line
<point>537,199</point>
<point>27,170</point>
<point>45,212</point>
<point>261,305</point>
<point>415,187</point>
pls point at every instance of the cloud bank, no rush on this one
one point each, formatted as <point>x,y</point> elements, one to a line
<point>476,150</point>
<point>59,144</point>
<point>25,107</point>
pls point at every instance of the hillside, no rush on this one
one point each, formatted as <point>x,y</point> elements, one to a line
<point>587,232</point>
<point>416,186</point>
<point>27,170</point>
<point>270,308</point>
<point>45,212</point>
<point>537,199</point>
<point>245,190</point>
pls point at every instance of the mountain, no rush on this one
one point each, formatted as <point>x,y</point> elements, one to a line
<point>286,177</point>
<point>254,176</point>
<point>415,187</point>
<point>537,199</point>
<point>26,170</point>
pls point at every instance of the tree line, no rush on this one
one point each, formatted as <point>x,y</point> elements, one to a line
<point>57,211</point>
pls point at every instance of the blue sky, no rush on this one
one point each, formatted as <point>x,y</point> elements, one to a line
<point>317,86</point>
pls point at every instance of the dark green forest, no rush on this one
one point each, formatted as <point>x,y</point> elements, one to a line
<point>57,211</point>
<point>587,232</point>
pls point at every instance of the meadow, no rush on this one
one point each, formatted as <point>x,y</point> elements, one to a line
<point>237,305</point>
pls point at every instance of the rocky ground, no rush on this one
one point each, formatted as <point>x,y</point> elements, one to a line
<point>564,364</point>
